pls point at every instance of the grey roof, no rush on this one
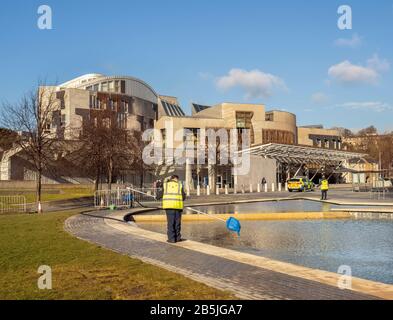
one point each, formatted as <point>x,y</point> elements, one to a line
<point>172,110</point>
<point>198,107</point>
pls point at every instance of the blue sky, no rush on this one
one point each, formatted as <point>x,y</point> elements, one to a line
<point>288,55</point>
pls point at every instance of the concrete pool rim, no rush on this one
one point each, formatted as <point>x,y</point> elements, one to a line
<point>372,288</point>
<point>335,213</point>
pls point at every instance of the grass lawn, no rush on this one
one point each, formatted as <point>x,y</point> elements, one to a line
<point>49,194</point>
<point>80,270</point>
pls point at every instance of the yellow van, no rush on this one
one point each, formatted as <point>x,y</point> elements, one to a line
<point>300,184</point>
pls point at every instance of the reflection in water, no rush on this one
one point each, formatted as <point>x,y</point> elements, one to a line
<point>269,206</point>
<point>364,245</point>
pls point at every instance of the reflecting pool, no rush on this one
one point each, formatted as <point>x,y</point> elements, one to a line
<point>364,245</point>
<point>268,206</point>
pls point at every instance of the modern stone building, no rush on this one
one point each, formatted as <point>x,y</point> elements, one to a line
<point>139,107</point>
<point>265,127</point>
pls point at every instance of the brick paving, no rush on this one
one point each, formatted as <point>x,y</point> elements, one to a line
<point>246,281</point>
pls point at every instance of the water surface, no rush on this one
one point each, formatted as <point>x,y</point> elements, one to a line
<point>364,245</point>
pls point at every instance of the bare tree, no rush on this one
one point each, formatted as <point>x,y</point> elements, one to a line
<point>107,148</point>
<point>31,118</point>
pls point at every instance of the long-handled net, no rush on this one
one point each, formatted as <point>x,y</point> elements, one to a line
<point>232,223</point>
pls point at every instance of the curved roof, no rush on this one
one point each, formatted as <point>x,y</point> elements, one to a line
<point>136,87</point>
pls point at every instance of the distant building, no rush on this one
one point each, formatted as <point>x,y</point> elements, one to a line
<point>265,127</point>
<point>139,107</point>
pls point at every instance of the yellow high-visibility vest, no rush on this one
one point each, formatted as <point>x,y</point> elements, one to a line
<point>324,185</point>
<point>173,196</point>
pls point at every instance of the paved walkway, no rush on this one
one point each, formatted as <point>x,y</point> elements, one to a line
<point>206,264</point>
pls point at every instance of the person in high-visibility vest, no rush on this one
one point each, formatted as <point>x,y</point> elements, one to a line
<point>324,188</point>
<point>173,197</point>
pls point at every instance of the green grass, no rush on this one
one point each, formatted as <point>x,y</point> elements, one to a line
<point>51,194</point>
<point>80,270</point>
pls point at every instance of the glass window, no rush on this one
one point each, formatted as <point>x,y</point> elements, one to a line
<point>117,86</point>
<point>63,119</point>
<point>111,86</point>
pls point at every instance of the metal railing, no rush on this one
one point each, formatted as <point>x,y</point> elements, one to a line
<point>13,204</point>
<point>125,198</point>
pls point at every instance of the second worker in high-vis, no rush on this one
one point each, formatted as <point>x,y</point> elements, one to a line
<point>173,196</point>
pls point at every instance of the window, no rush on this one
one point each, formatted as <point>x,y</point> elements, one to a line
<point>111,86</point>
<point>269,116</point>
<point>96,87</point>
<point>117,86</point>
<point>104,86</point>
<point>121,120</point>
<point>191,135</point>
<point>244,122</point>
<point>163,136</point>
<point>63,120</point>
<point>123,87</point>
<point>110,104</point>
<point>277,136</point>
<point>141,121</point>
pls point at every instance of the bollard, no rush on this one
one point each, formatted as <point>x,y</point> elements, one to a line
<point>243,191</point>
<point>217,191</point>
<point>251,190</point>
<point>226,189</point>
<point>198,190</point>
<point>235,189</point>
<point>259,188</point>
<point>265,187</point>
<point>208,191</point>
<point>286,186</point>
<point>279,187</point>
<point>273,187</point>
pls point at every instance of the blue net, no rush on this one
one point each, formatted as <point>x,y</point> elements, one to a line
<point>234,225</point>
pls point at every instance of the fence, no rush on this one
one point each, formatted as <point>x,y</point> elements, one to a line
<point>12,204</point>
<point>125,198</point>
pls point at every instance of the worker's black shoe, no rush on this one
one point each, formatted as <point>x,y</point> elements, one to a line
<point>171,241</point>
<point>181,240</point>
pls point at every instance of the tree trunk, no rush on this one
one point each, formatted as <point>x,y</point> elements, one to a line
<point>39,191</point>
<point>97,181</point>
<point>110,169</point>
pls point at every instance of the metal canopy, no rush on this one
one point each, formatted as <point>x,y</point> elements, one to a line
<point>295,154</point>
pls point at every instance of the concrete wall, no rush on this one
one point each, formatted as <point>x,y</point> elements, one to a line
<point>74,99</point>
<point>304,134</point>
<point>259,168</point>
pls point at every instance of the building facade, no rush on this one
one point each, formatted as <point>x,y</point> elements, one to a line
<point>139,107</point>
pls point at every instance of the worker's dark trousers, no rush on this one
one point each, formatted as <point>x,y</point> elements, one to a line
<point>174,224</point>
<point>324,195</point>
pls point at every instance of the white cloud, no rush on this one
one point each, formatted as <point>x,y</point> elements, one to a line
<point>346,72</point>
<point>353,42</point>
<point>375,63</point>
<point>255,83</point>
<point>376,106</point>
<point>319,98</point>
